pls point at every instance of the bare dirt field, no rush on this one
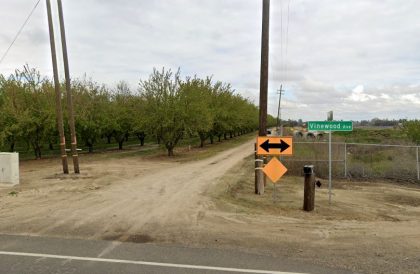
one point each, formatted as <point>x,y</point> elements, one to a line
<point>371,227</point>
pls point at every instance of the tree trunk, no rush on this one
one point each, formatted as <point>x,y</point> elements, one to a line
<point>50,146</point>
<point>126,137</point>
<point>230,135</point>
<point>90,147</point>
<point>211,139</point>
<point>108,137</point>
<point>170,151</point>
<point>141,137</point>
<point>12,147</point>
<point>202,138</point>
<point>120,144</point>
<point>37,150</point>
<point>225,136</point>
<point>220,136</point>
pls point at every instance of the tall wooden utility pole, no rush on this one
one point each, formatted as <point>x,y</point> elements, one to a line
<point>263,90</point>
<point>68,90</point>
<point>58,110</point>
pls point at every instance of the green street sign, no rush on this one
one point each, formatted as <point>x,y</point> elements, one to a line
<point>330,126</point>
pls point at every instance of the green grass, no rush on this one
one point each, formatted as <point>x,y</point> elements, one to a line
<point>373,136</point>
<point>235,192</point>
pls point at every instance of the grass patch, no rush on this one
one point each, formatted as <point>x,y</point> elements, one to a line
<point>357,201</point>
<point>373,136</point>
<point>236,192</point>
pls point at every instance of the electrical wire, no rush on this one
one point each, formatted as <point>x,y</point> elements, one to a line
<point>19,32</point>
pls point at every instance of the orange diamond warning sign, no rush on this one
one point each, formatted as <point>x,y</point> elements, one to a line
<point>274,170</point>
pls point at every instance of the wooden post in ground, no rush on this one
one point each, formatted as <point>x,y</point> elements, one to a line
<point>259,163</point>
<point>58,109</point>
<point>309,188</point>
<point>68,89</point>
<point>263,88</point>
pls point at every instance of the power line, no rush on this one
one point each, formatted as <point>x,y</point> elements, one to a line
<point>20,30</point>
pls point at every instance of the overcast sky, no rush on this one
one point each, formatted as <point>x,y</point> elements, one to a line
<point>359,58</point>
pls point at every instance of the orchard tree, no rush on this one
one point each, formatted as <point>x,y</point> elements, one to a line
<point>90,99</point>
<point>196,99</point>
<point>139,126</point>
<point>122,106</point>
<point>165,114</point>
<point>37,118</point>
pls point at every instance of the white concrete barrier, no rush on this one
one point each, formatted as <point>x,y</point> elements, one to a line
<point>9,168</point>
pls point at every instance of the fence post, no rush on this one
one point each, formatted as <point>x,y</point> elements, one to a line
<point>418,165</point>
<point>345,160</point>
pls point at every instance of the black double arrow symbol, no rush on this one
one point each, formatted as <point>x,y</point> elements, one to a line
<point>282,145</point>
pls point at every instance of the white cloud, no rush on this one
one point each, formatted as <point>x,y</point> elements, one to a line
<point>411,98</point>
<point>385,96</point>
<point>358,95</point>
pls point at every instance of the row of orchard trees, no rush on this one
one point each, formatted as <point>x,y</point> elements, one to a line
<point>164,106</point>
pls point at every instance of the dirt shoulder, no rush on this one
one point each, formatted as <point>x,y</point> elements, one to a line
<point>371,227</point>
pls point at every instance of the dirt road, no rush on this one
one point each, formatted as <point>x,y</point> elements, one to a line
<point>125,199</point>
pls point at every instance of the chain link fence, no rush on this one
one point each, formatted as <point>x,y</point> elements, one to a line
<point>356,161</point>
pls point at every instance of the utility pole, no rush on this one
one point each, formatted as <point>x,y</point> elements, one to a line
<point>68,90</point>
<point>263,90</point>
<point>58,110</point>
<point>281,92</point>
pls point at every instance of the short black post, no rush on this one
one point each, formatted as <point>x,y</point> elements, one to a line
<point>309,188</point>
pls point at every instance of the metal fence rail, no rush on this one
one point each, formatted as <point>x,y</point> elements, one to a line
<point>357,160</point>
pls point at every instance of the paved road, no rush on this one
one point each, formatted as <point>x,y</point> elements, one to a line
<point>25,254</point>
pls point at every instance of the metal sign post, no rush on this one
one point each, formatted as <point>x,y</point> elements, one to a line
<point>330,126</point>
<point>329,118</point>
<point>329,169</point>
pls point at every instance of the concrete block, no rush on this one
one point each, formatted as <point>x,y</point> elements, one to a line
<point>9,168</point>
